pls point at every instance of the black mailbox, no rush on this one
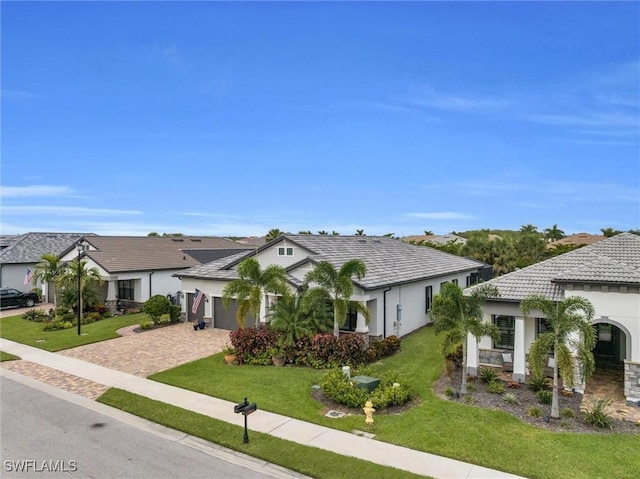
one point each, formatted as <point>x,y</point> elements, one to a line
<point>245,409</point>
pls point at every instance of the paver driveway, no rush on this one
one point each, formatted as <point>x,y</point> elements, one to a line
<point>152,351</point>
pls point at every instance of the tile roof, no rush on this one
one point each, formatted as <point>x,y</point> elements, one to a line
<point>146,253</point>
<point>614,260</point>
<point>29,247</point>
<point>389,261</point>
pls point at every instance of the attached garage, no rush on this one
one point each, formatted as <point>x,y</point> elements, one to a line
<point>224,319</point>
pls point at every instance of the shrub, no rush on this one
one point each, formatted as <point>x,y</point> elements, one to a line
<point>469,399</point>
<point>544,396</point>
<point>567,412</point>
<point>146,324</point>
<point>513,385</point>
<point>495,387</point>
<point>510,398</point>
<point>535,411</point>
<point>450,392</point>
<point>394,390</point>
<point>339,388</point>
<point>598,415</point>
<point>350,350</point>
<point>57,325</point>
<point>101,309</point>
<point>36,315</point>
<point>471,388</point>
<point>323,347</point>
<point>488,375</point>
<point>538,382</point>
<point>156,306</point>
<point>174,313</point>
<point>95,316</point>
<point>251,343</point>
<point>455,356</point>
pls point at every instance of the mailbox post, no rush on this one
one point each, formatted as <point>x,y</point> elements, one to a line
<point>245,408</point>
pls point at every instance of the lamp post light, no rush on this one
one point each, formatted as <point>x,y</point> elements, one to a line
<point>80,247</point>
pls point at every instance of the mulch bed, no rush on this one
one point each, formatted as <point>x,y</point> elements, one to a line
<point>481,397</point>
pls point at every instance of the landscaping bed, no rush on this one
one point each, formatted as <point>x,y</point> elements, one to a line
<point>527,399</point>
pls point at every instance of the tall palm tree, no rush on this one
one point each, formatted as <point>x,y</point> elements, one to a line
<point>553,234</point>
<point>609,232</point>
<point>570,329</point>
<point>251,287</point>
<point>336,286</point>
<point>47,271</point>
<point>359,232</point>
<point>458,315</point>
<point>528,229</point>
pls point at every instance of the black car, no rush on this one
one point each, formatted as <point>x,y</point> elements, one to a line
<point>12,298</point>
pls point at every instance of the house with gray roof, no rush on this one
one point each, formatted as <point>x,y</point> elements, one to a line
<point>134,268</point>
<point>24,251</point>
<point>607,273</point>
<point>398,288</point>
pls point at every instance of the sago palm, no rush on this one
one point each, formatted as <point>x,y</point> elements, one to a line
<point>571,330</point>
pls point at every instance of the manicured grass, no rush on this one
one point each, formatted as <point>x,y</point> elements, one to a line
<point>492,439</point>
<point>31,333</point>
<point>310,461</point>
<point>7,357</point>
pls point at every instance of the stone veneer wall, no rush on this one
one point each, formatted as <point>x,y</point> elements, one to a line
<point>492,357</point>
<point>632,383</point>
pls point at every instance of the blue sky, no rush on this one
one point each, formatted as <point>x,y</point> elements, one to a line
<point>232,118</point>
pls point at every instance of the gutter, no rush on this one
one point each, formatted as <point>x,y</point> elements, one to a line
<point>150,274</point>
<point>384,312</point>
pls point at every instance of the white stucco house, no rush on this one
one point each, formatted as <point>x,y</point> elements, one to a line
<point>607,273</point>
<point>398,288</point>
<point>134,268</point>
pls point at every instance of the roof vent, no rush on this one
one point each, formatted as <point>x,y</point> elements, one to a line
<point>362,241</point>
<point>180,240</point>
<point>197,240</point>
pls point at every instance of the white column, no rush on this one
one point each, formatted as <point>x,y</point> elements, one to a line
<point>112,289</point>
<point>473,355</point>
<point>519,354</point>
<point>361,324</point>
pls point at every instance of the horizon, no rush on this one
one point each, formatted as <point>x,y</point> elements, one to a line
<point>233,118</point>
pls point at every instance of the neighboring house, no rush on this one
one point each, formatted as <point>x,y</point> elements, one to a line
<point>578,239</point>
<point>435,239</point>
<point>134,268</point>
<point>398,288</point>
<point>23,252</point>
<point>607,273</point>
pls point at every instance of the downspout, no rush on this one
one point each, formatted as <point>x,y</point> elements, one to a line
<point>150,274</point>
<point>384,312</point>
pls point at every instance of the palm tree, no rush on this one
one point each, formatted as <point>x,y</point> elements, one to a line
<point>529,229</point>
<point>251,287</point>
<point>565,319</point>
<point>553,234</point>
<point>458,315</point>
<point>47,271</point>
<point>428,233</point>
<point>296,319</point>
<point>359,232</point>
<point>272,234</point>
<point>68,281</point>
<point>609,232</point>
<point>322,232</point>
<point>336,286</point>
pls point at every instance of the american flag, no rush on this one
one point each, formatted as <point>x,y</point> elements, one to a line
<point>197,297</point>
<point>28,277</point>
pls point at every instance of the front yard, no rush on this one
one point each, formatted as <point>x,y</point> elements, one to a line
<point>469,433</point>
<point>20,330</point>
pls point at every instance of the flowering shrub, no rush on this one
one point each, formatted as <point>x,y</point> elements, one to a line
<point>253,343</point>
<point>382,348</point>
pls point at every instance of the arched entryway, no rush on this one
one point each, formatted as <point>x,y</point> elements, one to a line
<point>610,352</point>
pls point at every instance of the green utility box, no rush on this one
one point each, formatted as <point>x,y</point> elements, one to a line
<point>366,382</point>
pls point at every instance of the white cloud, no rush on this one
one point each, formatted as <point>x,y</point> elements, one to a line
<point>34,190</point>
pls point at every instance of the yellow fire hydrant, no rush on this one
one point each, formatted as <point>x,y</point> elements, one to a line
<point>368,412</point>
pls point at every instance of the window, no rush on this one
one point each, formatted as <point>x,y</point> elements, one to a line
<point>282,251</point>
<point>472,279</point>
<point>125,289</point>
<point>455,281</point>
<point>428,296</point>
<point>507,327</point>
<point>352,319</point>
<point>542,326</point>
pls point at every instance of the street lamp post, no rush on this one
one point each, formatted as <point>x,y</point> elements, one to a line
<point>80,248</point>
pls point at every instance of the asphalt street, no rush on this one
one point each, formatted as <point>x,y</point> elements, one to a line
<point>45,435</point>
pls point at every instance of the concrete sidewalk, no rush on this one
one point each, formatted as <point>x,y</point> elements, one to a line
<point>304,433</point>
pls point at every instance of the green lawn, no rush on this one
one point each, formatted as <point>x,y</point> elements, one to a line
<point>307,460</point>
<point>489,438</point>
<point>7,357</point>
<point>31,333</point>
